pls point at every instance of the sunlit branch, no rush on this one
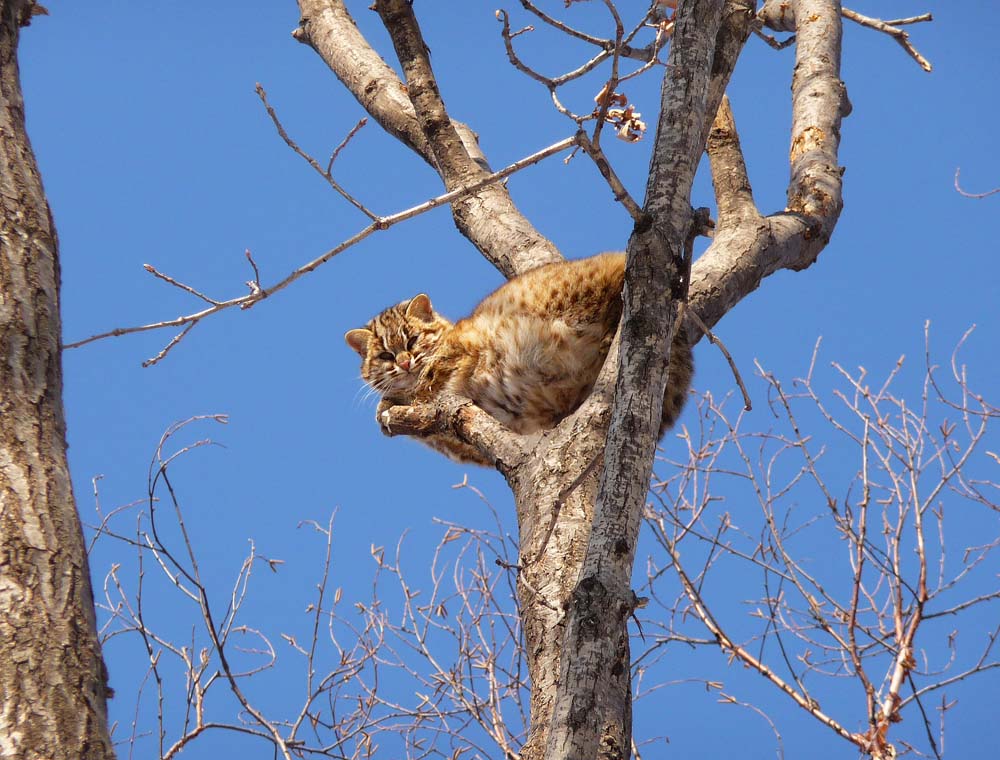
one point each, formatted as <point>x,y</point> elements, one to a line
<point>381,223</point>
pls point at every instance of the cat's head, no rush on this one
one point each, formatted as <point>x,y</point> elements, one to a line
<point>396,345</point>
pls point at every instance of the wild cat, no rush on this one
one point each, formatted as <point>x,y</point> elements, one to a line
<point>529,353</point>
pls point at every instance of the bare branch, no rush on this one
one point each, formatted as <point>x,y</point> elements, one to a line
<point>773,41</point>
<point>889,27</point>
<point>563,27</point>
<point>600,160</point>
<point>741,256</point>
<point>327,27</point>
<point>958,188</point>
<point>343,143</point>
<point>166,278</point>
<point>492,223</point>
<point>383,223</point>
<point>714,340</point>
<point>729,646</point>
<point>466,420</point>
<point>173,342</point>
<point>733,193</point>
<point>324,173</point>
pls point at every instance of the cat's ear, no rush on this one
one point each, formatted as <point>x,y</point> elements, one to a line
<point>358,340</point>
<point>420,307</point>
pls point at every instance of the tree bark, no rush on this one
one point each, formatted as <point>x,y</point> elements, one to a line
<point>592,715</point>
<point>53,684</point>
<point>577,537</point>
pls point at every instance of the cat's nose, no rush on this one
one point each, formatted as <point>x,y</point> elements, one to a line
<point>404,362</point>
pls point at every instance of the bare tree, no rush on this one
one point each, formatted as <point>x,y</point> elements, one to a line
<point>579,523</point>
<point>433,663</point>
<point>887,615</point>
<point>578,531</point>
<point>52,678</point>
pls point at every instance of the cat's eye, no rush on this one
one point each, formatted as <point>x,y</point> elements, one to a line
<point>386,356</point>
<point>411,343</point>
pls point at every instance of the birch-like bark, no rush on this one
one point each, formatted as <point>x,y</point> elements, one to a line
<point>748,248</point>
<point>575,562</point>
<point>53,684</point>
<point>592,714</point>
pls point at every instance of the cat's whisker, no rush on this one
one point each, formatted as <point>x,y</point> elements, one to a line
<point>371,391</point>
<point>361,395</point>
<point>364,386</point>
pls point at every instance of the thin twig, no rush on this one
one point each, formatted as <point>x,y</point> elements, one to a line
<point>561,26</point>
<point>714,340</point>
<point>166,278</point>
<point>173,342</point>
<point>774,42</point>
<point>380,224</point>
<point>958,187</point>
<point>309,159</point>
<point>604,167</point>
<point>605,99</point>
<point>254,284</point>
<point>739,652</point>
<point>343,143</point>
<point>910,20</point>
<point>889,27</point>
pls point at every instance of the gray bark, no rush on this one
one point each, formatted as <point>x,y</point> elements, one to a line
<point>593,697</point>
<point>52,678</point>
<point>578,535</point>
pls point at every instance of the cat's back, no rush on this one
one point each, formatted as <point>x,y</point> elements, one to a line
<point>579,291</point>
<point>533,348</point>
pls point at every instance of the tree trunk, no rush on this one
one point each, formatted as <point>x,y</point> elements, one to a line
<point>52,678</point>
<point>578,531</point>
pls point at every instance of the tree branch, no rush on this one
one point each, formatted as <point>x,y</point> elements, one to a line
<point>733,194</point>
<point>460,417</point>
<point>819,101</point>
<point>737,19</point>
<point>327,27</point>
<point>259,293</point>
<point>592,715</point>
<point>453,161</point>
<point>741,256</point>
<point>490,221</point>
<point>889,27</point>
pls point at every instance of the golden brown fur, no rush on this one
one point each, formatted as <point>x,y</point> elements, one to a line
<point>529,354</point>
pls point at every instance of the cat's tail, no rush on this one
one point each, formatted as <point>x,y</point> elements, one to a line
<point>679,375</point>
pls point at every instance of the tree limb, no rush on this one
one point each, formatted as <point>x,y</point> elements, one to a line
<point>490,220</point>
<point>327,27</point>
<point>733,194</point>
<point>592,713</point>
<point>459,416</point>
<point>741,256</point>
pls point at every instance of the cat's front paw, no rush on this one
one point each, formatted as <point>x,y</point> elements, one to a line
<point>382,416</point>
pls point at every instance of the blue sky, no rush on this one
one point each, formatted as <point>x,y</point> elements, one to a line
<point>155,149</point>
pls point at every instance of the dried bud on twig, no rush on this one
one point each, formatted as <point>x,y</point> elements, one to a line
<point>625,119</point>
<point>628,125</point>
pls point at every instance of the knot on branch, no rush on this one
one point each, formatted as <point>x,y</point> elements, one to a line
<point>701,223</point>
<point>778,15</point>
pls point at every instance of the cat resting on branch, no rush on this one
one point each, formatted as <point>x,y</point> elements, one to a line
<point>529,354</point>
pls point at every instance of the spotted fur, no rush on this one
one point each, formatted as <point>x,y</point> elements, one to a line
<point>529,354</point>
